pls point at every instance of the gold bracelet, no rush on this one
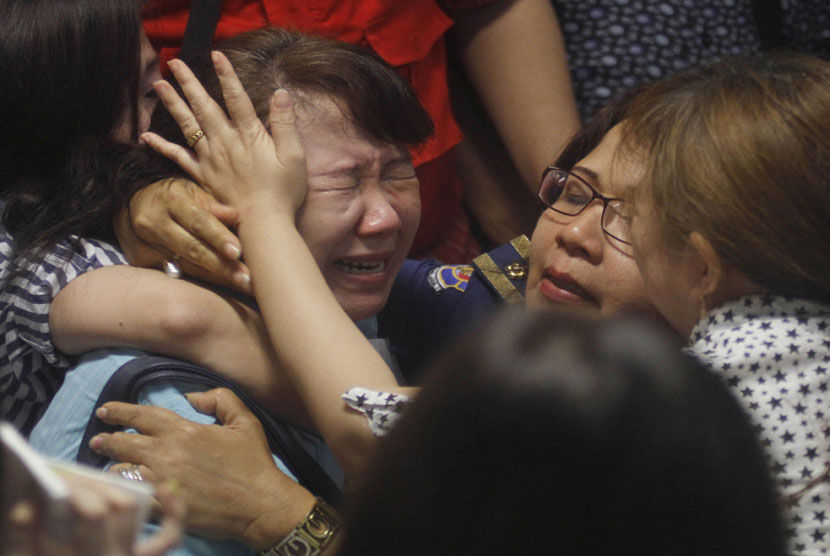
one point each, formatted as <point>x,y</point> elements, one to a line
<point>312,534</point>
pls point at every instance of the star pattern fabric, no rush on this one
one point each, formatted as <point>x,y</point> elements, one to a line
<point>382,409</point>
<point>774,353</point>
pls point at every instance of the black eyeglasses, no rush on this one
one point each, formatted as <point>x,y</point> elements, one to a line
<point>568,194</point>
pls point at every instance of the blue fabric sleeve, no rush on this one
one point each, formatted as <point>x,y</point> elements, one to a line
<point>423,314</point>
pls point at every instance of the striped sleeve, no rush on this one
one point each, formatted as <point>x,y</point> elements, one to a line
<point>31,369</point>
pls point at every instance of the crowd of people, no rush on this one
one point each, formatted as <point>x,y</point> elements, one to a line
<point>293,211</point>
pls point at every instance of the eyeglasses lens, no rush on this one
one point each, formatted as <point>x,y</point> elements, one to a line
<point>567,194</point>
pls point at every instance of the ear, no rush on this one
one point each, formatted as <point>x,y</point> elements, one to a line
<point>711,270</point>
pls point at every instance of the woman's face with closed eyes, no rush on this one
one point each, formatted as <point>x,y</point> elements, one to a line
<point>572,261</point>
<point>362,207</point>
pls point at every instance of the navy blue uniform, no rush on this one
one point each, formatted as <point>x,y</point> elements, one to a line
<point>432,303</point>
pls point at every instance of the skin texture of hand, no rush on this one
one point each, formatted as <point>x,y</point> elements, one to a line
<point>224,474</point>
<point>102,523</point>
<point>235,160</point>
<point>176,218</point>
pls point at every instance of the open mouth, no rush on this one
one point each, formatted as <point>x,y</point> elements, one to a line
<point>360,267</point>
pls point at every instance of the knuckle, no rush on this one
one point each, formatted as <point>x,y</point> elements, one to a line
<point>199,104</point>
<point>116,439</point>
<point>193,250</point>
<point>232,95</point>
<point>224,394</point>
<point>188,429</point>
<point>142,222</point>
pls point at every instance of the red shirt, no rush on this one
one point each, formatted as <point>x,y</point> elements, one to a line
<point>408,34</point>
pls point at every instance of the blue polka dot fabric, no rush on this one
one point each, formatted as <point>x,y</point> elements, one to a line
<point>805,25</point>
<point>614,45</point>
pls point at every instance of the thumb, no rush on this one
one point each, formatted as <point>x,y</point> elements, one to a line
<point>223,403</point>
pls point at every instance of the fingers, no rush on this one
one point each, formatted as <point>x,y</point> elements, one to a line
<point>186,221</point>
<point>202,113</point>
<point>239,104</point>
<point>126,471</point>
<point>223,403</point>
<point>123,446</point>
<point>194,235</point>
<point>184,158</point>
<point>284,131</point>
<point>170,534</point>
<point>144,418</point>
<point>196,216</point>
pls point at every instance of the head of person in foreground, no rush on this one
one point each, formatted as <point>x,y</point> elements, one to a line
<point>550,434</point>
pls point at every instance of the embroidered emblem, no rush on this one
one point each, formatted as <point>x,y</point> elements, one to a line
<point>455,276</point>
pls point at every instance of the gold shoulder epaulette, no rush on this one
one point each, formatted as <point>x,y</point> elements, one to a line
<point>505,266</point>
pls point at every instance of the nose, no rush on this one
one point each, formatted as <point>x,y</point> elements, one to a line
<point>379,214</point>
<point>582,235</point>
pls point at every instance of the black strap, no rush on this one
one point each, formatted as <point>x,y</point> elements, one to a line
<point>201,26</point>
<point>128,381</point>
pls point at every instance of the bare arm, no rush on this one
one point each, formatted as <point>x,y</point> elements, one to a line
<point>144,309</point>
<point>515,57</point>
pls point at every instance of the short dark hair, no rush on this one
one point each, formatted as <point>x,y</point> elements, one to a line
<point>370,92</point>
<point>551,434</point>
<point>70,70</point>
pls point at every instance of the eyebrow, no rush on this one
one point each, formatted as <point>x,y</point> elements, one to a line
<point>593,177</point>
<point>403,159</point>
<point>583,170</point>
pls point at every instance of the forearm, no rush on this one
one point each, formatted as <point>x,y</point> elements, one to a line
<point>122,306</point>
<point>321,349</point>
<point>515,58</point>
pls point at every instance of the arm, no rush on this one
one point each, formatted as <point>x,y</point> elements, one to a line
<point>122,306</point>
<point>515,57</point>
<point>322,351</point>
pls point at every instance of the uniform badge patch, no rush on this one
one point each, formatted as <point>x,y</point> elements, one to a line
<point>451,276</point>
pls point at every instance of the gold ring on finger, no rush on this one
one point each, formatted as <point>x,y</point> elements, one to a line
<point>193,139</point>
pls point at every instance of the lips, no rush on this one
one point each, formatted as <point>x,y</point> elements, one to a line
<point>562,287</point>
<point>360,267</point>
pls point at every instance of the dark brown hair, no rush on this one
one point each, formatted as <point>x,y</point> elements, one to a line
<point>370,92</point>
<point>70,70</point>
